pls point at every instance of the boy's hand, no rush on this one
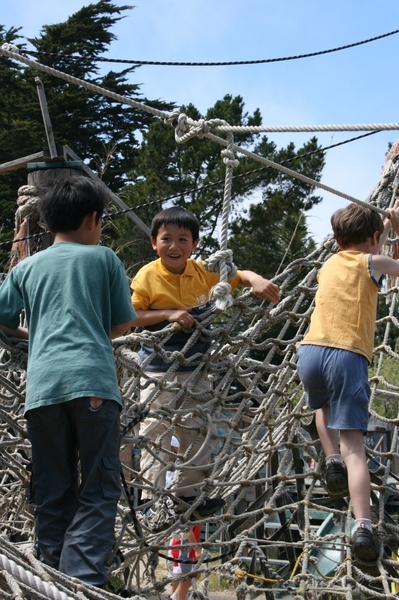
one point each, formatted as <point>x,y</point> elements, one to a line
<point>261,288</point>
<point>265,290</point>
<point>182,317</point>
<point>394,217</point>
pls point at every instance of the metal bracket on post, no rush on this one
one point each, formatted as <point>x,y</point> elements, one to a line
<point>46,118</point>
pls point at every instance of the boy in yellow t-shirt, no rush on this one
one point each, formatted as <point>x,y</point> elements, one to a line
<point>334,356</point>
<point>175,289</point>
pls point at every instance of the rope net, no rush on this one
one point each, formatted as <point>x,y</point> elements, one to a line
<point>279,533</point>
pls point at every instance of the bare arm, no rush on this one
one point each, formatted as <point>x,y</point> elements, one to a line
<point>391,223</point>
<point>152,317</point>
<point>381,264</point>
<point>118,330</point>
<point>384,265</point>
<point>262,288</point>
<point>20,332</point>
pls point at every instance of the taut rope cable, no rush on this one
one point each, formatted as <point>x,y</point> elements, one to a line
<point>295,174</point>
<point>206,186</point>
<point>306,128</point>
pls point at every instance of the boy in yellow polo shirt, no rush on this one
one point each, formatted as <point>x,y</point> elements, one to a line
<point>335,353</point>
<point>175,289</point>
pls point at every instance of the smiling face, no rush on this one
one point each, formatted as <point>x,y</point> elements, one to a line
<point>174,246</point>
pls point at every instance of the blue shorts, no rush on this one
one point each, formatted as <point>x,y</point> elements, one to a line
<point>339,377</point>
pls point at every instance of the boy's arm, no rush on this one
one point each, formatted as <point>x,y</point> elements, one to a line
<point>391,223</point>
<point>381,264</point>
<point>152,317</point>
<point>384,265</point>
<point>118,330</point>
<point>19,332</point>
<point>262,288</point>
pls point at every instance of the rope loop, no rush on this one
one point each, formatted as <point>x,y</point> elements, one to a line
<point>220,259</point>
<point>188,128</point>
<point>221,262</point>
<point>221,294</point>
<point>10,48</point>
<point>229,159</point>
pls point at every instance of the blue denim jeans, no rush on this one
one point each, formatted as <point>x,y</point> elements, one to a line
<point>76,484</point>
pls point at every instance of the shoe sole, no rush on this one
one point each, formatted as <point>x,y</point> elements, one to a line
<point>337,489</point>
<point>208,513</point>
<point>365,551</point>
<point>337,492</point>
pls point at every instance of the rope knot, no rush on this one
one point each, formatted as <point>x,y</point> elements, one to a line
<point>221,262</point>
<point>27,200</point>
<point>220,259</point>
<point>202,128</point>
<point>221,294</point>
<point>182,127</point>
<point>229,158</point>
<point>10,48</point>
<point>172,118</point>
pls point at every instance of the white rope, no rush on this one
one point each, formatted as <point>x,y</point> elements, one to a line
<point>305,128</point>
<point>223,264</point>
<point>188,128</point>
<point>85,84</point>
<point>295,174</point>
<point>34,582</point>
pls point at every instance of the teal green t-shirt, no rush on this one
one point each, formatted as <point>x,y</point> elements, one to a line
<point>72,294</point>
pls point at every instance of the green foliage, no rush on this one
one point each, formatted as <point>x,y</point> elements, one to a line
<point>159,172</point>
<point>101,131</point>
<point>265,237</point>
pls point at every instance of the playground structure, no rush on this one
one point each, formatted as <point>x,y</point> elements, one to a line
<point>268,465</point>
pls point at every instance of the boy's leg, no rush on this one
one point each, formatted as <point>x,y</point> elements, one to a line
<point>182,589</point>
<point>335,476</point>
<point>154,428</point>
<point>364,547</point>
<point>197,437</point>
<point>354,455</point>
<point>90,536</point>
<point>328,437</point>
<point>54,477</point>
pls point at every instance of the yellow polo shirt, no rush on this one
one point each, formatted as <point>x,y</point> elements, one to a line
<point>156,287</point>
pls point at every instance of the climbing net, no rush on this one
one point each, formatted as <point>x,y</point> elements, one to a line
<point>279,533</point>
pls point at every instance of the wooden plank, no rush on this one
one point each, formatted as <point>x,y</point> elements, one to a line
<point>19,163</point>
<point>46,118</point>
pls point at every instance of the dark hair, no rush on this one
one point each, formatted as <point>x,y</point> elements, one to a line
<point>355,224</point>
<point>176,215</point>
<point>64,203</point>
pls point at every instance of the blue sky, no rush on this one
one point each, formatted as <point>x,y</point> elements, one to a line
<point>354,86</point>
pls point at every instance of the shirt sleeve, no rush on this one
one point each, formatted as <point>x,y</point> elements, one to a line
<point>11,301</point>
<point>140,297</point>
<point>122,309</point>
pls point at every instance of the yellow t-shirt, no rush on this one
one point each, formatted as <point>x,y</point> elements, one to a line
<point>346,305</point>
